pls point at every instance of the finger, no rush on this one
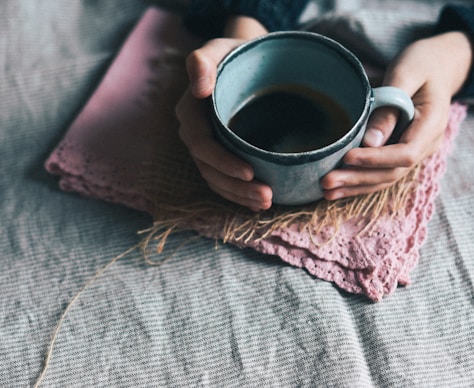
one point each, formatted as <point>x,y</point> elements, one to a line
<point>389,156</point>
<point>383,120</point>
<point>242,201</point>
<point>254,195</point>
<point>361,177</point>
<point>380,126</point>
<point>423,136</point>
<point>196,134</point>
<point>346,192</point>
<point>201,65</point>
<point>210,152</point>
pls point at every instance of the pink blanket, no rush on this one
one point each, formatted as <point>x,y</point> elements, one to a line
<point>129,122</point>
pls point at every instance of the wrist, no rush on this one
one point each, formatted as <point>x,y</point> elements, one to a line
<point>461,54</point>
<point>243,27</point>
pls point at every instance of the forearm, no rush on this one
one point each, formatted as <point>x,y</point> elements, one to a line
<point>460,19</point>
<point>462,54</point>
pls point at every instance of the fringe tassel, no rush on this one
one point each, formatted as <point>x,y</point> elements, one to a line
<point>195,207</point>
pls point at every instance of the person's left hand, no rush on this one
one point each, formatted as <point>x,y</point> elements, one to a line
<point>431,71</point>
<point>225,173</point>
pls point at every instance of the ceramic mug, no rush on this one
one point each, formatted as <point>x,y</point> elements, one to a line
<point>297,72</point>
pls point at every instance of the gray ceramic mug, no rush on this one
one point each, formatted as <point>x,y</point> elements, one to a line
<point>293,61</point>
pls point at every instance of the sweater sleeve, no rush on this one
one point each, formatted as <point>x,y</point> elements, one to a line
<point>207,17</point>
<point>459,18</point>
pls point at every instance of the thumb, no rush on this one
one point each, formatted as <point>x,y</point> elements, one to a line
<point>201,65</point>
<point>380,126</point>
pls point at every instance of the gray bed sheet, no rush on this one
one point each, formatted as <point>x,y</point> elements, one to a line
<point>220,317</point>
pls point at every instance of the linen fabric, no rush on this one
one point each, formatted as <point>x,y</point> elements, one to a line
<point>207,316</point>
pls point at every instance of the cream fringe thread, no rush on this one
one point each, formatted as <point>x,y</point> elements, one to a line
<point>242,226</point>
<point>142,245</point>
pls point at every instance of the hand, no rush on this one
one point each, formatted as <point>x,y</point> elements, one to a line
<point>431,71</point>
<point>226,174</point>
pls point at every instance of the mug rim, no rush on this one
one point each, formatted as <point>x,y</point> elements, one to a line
<point>294,157</point>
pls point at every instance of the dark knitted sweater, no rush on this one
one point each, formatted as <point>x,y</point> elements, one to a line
<point>207,18</point>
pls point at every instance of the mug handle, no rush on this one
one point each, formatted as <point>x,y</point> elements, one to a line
<point>397,98</point>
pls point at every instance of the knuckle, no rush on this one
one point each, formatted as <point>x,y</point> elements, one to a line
<point>193,58</point>
<point>410,159</point>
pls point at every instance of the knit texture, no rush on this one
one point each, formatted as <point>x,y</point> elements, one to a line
<point>124,147</point>
<point>207,18</point>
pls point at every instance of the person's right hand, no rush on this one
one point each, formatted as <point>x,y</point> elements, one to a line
<point>225,173</point>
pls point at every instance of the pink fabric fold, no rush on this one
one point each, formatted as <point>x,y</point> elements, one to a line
<point>103,152</point>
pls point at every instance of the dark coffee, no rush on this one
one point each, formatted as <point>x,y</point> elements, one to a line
<point>290,118</point>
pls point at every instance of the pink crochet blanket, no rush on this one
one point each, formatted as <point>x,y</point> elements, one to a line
<point>128,124</point>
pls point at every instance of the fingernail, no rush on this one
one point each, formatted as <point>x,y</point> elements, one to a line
<point>373,137</point>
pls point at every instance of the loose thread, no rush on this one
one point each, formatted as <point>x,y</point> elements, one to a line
<point>49,354</point>
<point>161,234</point>
<point>143,245</point>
